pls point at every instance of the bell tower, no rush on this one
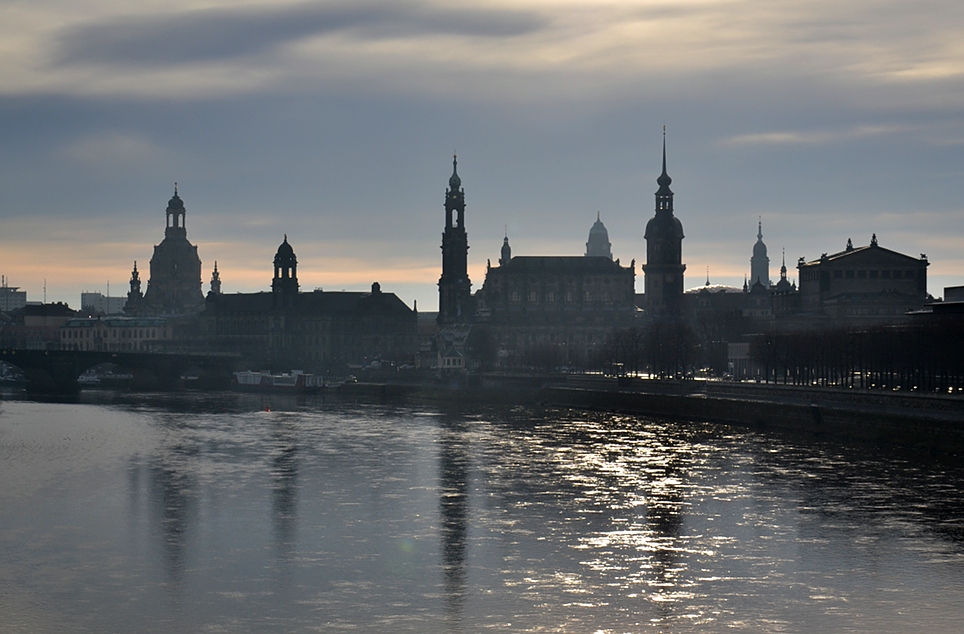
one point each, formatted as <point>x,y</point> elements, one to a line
<point>454,286</point>
<point>664,252</point>
<point>284,286</point>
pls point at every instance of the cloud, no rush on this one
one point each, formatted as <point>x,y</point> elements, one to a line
<point>225,33</point>
<point>113,149</point>
<point>813,137</point>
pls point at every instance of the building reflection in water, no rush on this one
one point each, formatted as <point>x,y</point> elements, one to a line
<point>284,484</point>
<point>173,495</point>
<point>454,511</point>
<point>663,490</point>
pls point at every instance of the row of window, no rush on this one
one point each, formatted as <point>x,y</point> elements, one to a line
<point>533,296</point>
<point>87,346</point>
<point>150,333</point>
<point>863,274</point>
<point>885,274</point>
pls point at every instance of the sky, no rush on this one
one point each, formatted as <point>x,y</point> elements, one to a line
<point>335,122</point>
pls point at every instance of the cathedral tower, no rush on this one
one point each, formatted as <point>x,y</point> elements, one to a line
<point>454,286</point>
<point>664,252</point>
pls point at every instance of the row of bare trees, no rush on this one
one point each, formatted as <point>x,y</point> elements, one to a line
<point>927,357</point>
<point>662,349</point>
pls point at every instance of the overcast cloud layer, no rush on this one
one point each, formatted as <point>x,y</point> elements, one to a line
<point>334,122</point>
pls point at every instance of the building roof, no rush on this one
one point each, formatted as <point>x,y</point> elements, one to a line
<point>562,264</point>
<point>859,255</point>
<point>327,302</point>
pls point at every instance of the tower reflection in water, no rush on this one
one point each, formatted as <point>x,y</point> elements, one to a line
<point>454,511</point>
<point>284,486</point>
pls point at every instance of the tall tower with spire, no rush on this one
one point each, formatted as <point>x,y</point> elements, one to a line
<point>134,296</point>
<point>506,254</point>
<point>760,263</point>
<point>454,286</point>
<point>664,252</point>
<point>215,280</point>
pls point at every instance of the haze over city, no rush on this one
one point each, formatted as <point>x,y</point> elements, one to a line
<point>335,123</point>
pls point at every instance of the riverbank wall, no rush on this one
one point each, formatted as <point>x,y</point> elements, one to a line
<point>928,422</point>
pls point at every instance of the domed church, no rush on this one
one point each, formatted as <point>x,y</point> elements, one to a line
<point>174,287</point>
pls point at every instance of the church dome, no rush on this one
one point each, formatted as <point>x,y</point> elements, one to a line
<point>598,228</point>
<point>759,249</point>
<point>661,227</point>
<point>175,202</point>
<point>285,254</point>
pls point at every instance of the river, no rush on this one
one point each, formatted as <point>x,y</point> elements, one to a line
<point>224,512</point>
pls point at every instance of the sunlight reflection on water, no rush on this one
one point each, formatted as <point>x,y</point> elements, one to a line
<point>208,513</point>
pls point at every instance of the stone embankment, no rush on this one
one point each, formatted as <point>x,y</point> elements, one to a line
<point>925,421</point>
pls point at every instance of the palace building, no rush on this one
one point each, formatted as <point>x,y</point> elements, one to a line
<point>287,328</point>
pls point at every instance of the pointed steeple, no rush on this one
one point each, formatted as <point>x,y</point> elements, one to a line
<point>216,280</point>
<point>707,276</point>
<point>760,262</point>
<point>664,180</point>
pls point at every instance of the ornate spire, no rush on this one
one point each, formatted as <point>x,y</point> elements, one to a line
<point>454,181</point>
<point>216,280</point>
<point>759,228</point>
<point>664,180</point>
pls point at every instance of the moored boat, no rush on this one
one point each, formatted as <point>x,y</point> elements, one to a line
<point>265,381</point>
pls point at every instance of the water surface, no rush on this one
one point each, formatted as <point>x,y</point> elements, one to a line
<point>208,513</point>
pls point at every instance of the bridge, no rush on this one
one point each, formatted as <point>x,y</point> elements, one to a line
<point>57,371</point>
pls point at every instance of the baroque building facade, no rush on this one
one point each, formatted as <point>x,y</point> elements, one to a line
<point>868,284</point>
<point>287,328</point>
